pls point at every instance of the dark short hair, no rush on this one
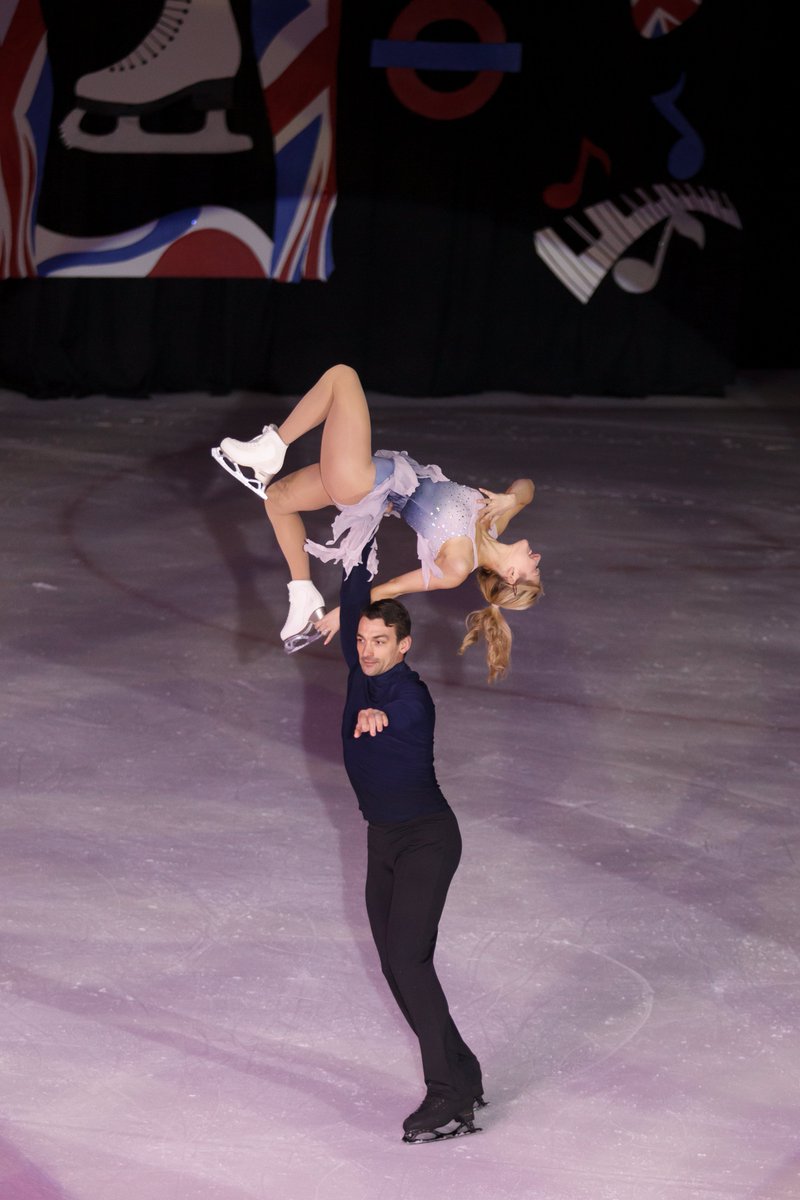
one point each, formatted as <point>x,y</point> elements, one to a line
<point>392,613</point>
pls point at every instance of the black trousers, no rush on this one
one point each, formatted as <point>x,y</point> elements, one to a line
<point>409,869</point>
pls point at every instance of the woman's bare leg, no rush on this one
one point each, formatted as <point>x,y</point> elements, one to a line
<point>299,492</point>
<point>344,475</point>
<point>337,399</point>
<point>286,498</point>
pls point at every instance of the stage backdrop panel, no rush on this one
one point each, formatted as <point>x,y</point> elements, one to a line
<point>452,195</point>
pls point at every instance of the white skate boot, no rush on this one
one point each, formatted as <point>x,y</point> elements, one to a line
<point>193,50</point>
<point>263,454</point>
<point>305,606</point>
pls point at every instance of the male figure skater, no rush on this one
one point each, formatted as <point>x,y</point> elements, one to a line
<point>413,844</point>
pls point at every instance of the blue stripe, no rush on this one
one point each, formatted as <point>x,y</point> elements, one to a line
<point>448,56</point>
<point>168,230</point>
<point>269,17</point>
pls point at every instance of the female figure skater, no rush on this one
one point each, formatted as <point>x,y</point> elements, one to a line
<point>457,527</point>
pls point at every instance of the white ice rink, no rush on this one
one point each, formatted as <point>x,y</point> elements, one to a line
<point>190,1003</point>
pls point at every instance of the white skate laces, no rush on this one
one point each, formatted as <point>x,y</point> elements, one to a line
<point>306,605</point>
<point>164,31</point>
<point>263,455</point>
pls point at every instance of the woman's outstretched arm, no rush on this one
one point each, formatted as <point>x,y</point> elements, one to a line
<point>401,585</point>
<point>455,569</point>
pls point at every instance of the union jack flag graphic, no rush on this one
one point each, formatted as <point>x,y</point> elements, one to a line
<point>657,18</point>
<point>296,48</point>
<point>297,63</point>
<point>24,82</point>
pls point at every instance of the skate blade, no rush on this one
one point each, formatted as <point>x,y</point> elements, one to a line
<point>130,138</point>
<point>455,1129</point>
<point>298,641</point>
<point>255,485</point>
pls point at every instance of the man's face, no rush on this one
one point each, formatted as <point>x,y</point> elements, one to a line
<point>378,647</point>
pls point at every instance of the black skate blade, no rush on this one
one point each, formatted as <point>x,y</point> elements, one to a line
<point>453,1129</point>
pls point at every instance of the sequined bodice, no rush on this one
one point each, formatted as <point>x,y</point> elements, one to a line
<point>439,511</point>
<point>435,508</point>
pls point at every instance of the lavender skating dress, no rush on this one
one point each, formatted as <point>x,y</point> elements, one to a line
<point>434,507</point>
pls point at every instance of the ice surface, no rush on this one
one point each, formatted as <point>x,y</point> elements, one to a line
<point>191,1006</point>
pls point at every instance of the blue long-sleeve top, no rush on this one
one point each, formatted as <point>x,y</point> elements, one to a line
<point>392,773</point>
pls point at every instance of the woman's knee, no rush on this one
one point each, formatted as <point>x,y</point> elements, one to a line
<point>342,374</point>
<point>278,502</point>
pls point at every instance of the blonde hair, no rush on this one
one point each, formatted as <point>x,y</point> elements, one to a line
<point>491,624</point>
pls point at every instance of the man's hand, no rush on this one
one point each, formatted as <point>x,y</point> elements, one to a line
<point>371,721</point>
<point>329,625</point>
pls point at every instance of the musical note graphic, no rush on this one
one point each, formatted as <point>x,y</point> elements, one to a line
<point>564,195</point>
<point>687,154</point>
<point>637,275</point>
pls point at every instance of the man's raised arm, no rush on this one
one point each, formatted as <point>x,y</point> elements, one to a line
<point>353,599</point>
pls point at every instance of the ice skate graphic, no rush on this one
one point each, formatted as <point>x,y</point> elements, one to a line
<point>193,51</point>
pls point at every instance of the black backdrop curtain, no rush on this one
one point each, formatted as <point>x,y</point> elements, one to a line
<point>582,230</point>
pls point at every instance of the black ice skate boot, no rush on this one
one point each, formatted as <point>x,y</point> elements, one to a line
<point>437,1119</point>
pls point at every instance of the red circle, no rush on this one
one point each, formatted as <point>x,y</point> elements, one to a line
<point>208,254</point>
<point>406,83</point>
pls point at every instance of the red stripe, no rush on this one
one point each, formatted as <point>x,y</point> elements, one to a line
<point>313,70</point>
<point>323,217</point>
<point>16,52</point>
<point>22,40</point>
<point>329,190</point>
<point>311,74</point>
<point>288,256</point>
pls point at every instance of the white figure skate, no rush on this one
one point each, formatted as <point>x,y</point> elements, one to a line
<point>305,606</point>
<point>193,50</point>
<point>263,454</point>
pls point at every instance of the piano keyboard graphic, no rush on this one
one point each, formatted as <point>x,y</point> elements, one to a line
<point>582,273</point>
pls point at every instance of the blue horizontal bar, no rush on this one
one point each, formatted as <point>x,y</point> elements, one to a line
<point>447,56</point>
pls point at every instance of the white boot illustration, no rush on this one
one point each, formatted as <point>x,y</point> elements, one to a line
<point>193,50</point>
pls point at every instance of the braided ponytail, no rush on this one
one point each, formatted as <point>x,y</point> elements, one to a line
<point>490,623</point>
